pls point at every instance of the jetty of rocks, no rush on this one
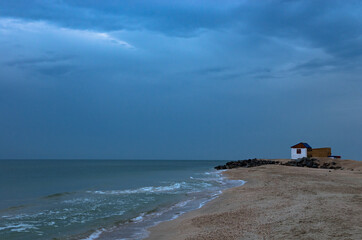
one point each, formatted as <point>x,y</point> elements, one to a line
<point>246,163</point>
<point>302,162</point>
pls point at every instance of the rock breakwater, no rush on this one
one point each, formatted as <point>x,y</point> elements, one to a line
<point>302,162</point>
<point>246,163</point>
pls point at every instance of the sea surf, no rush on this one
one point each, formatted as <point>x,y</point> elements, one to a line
<point>100,199</point>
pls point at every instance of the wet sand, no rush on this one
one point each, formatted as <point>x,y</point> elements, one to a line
<point>278,202</point>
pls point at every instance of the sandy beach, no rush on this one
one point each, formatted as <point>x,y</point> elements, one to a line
<point>278,202</point>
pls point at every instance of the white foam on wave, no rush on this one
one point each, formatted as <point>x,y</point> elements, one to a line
<point>218,193</point>
<point>152,189</point>
<point>183,203</point>
<point>22,227</point>
<point>212,183</point>
<point>34,216</point>
<point>144,216</point>
<point>203,182</point>
<point>94,235</point>
<point>139,218</point>
<point>79,201</point>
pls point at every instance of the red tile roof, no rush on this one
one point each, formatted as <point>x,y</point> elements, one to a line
<point>301,145</point>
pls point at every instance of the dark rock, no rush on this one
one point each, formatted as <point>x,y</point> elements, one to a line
<point>246,163</point>
<point>302,162</point>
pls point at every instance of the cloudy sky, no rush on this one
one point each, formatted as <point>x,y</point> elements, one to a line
<point>169,79</point>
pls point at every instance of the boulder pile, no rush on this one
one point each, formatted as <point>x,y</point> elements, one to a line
<point>301,162</point>
<point>246,163</point>
<point>311,163</point>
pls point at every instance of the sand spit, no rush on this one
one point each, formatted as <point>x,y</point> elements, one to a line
<point>278,202</point>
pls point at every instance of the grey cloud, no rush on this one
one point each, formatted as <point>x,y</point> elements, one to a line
<point>317,66</point>
<point>56,70</point>
<point>51,65</point>
<point>109,15</point>
<point>212,70</point>
<point>335,25</point>
<point>35,61</point>
<point>197,82</point>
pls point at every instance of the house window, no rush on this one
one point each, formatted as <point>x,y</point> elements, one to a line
<point>299,151</point>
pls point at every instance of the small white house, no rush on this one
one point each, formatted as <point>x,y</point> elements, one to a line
<point>300,150</point>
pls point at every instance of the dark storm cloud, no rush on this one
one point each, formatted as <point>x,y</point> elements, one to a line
<point>333,25</point>
<point>56,70</point>
<point>188,79</point>
<point>51,64</point>
<point>166,16</point>
<point>317,65</point>
<point>212,70</point>
<point>37,61</point>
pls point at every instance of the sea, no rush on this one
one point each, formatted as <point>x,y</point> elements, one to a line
<point>101,199</point>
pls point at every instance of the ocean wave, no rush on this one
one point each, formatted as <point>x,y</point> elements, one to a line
<point>85,207</point>
<point>32,215</point>
<point>94,235</point>
<point>79,201</point>
<point>57,195</point>
<point>22,227</point>
<point>195,184</point>
<point>152,189</point>
<point>138,218</point>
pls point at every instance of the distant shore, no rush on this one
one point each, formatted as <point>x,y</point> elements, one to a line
<point>278,202</point>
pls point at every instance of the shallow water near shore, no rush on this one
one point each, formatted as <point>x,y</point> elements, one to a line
<point>100,199</point>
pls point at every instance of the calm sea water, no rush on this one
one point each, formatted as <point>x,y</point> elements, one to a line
<point>100,199</point>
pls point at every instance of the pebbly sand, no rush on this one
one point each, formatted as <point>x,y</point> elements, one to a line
<point>278,202</point>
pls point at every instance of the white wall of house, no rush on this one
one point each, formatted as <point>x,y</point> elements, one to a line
<point>295,155</point>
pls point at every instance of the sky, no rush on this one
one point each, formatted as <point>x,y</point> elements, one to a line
<point>190,79</point>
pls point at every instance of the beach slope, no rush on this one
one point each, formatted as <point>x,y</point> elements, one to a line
<point>277,202</point>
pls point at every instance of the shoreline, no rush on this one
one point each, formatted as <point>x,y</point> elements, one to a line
<point>277,202</point>
<point>137,227</point>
